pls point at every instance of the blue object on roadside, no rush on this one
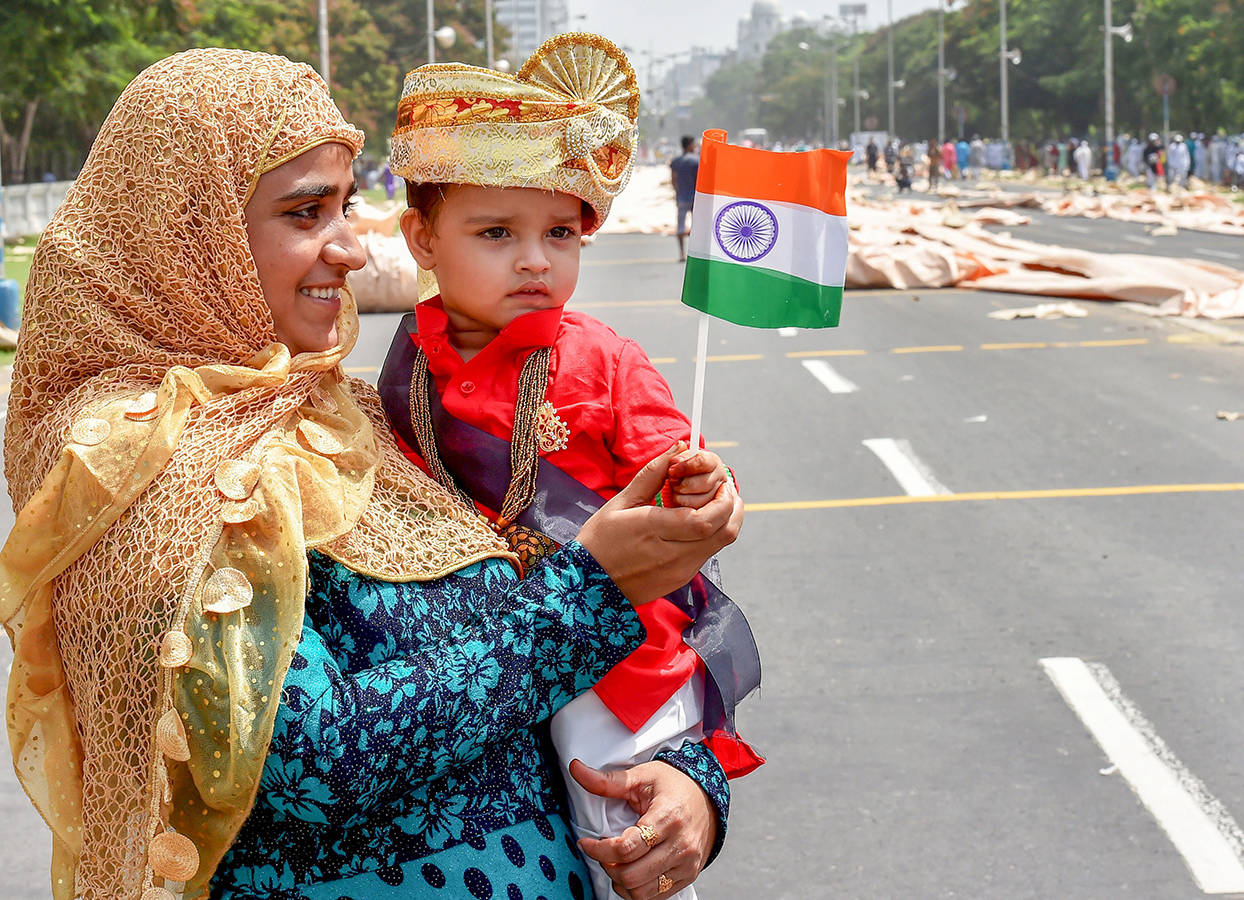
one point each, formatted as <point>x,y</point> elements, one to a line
<point>1112,172</point>
<point>9,294</point>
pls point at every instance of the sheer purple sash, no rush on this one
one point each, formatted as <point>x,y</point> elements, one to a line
<point>719,632</point>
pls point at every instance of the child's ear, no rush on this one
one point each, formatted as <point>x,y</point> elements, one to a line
<point>418,238</point>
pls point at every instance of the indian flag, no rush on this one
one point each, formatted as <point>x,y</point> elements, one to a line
<point>768,245</point>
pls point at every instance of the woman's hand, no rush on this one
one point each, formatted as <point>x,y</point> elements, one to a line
<point>665,851</point>
<point>649,550</point>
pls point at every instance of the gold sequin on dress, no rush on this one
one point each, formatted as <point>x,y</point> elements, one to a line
<point>171,465</point>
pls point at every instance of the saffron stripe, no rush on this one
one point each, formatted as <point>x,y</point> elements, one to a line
<point>759,298</point>
<point>816,178</point>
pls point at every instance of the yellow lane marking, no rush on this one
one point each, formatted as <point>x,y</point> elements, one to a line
<point>1129,342</point>
<point>946,348</point>
<point>860,293</point>
<point>4,389</point>
<point>737,357</point>
<point>803,354</point>
<point>1196,338</point>
<point>613,304</point>
<point>713,445</point>
<point>1123,491</point>
<point>799,354</point>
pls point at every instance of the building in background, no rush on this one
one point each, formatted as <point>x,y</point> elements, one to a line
<point>762,26</point>
<point>683,84</point>
<point>530,23</point>
<point>766,22</point>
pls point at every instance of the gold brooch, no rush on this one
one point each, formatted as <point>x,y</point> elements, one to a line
<point>551,432</point>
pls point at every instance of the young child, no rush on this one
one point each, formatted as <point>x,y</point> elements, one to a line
<point>536,415</point>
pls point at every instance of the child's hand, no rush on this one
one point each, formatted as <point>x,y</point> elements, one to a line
<point>695,476</point>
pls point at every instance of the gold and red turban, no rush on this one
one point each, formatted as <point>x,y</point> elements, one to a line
<point>564,122</point>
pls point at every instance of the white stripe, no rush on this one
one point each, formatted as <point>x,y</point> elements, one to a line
<point>811,244</point>
<point>912,475</point>
<point>1078,229</point>
<point>788,332</point>
<point>825,374</point>
<point>1135,239</point>
<point>1200,828</point>
<point>1220,254</point>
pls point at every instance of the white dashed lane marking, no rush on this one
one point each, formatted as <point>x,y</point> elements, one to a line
<point>913,476</point>
<point>825,374</point>
<point>1201,829</point>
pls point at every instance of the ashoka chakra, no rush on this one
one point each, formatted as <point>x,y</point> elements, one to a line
<point>746,230</point>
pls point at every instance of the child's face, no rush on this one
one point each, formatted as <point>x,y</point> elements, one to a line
<point>498,253</point>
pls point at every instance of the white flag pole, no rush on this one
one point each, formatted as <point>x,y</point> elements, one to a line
<point>697,400</point>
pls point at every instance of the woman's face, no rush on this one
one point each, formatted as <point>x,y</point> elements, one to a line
<point>303,245</point>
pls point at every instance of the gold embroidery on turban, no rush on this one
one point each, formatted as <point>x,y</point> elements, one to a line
<point>564,122</point>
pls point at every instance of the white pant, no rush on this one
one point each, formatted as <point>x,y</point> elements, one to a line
<point>586,730</point>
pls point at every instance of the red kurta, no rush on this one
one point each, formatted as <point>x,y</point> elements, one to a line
<point>620,413</point>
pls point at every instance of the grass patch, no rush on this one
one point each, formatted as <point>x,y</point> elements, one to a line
<point>18,255</point>
<point>6,357</point>
<point>376,196</point>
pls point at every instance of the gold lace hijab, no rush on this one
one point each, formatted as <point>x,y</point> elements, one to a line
<point>565,121</point>
<point>171,464</point>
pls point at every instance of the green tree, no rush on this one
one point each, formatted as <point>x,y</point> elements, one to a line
<point>62,64</point>
<point>729,99</point>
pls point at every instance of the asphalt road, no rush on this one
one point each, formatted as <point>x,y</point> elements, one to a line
<point>1082,502</point>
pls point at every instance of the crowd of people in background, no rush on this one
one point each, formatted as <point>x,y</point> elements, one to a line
<point>1213,159</point>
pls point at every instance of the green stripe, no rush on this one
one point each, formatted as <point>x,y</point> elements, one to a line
<point>759,298</point>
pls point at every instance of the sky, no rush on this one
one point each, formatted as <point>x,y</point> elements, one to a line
<point>666,26</point>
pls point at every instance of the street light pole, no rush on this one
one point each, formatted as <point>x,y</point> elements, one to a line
<point>1003,59</point>
<point>857,93</point>
<point>488,30</point>
<point>941,73</point>
<point>323,36</point>
<point>1108,36</point>
<point>833,90</point>
<point>889,40</point>
<point>431,35</point>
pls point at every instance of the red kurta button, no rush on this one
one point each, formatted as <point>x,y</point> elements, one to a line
<point>467,387</point>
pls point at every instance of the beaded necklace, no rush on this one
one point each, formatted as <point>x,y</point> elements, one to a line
<point>530,412</point>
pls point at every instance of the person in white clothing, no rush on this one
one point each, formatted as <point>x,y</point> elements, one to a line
<point>1178,160</point>
<point>1083,156</point>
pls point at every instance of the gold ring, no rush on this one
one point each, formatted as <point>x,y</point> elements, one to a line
<point>664,883</point>
<point>649,834</point>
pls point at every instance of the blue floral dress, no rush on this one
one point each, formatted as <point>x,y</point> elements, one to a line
<point>404,763</point>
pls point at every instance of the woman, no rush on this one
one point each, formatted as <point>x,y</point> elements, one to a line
<point>254,651</point>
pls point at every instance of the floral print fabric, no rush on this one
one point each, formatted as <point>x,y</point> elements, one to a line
<point>404,724</point>
<point>404,762</point>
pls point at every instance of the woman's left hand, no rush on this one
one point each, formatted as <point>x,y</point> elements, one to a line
<point>665,850</point>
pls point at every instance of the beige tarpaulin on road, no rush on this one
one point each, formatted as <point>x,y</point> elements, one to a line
<point>925,244</point>
<point>906,245</point>
<point>1190,210</point>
